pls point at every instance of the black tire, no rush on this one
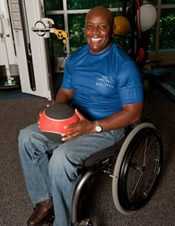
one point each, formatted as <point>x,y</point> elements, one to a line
<point>137,168</point>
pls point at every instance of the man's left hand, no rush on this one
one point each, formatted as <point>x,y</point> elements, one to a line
<point>83,126</point>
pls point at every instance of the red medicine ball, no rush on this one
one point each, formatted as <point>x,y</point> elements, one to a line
<point>54,118</point>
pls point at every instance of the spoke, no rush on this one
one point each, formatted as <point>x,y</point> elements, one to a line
<point>138,182</point>
<point>145,151</point>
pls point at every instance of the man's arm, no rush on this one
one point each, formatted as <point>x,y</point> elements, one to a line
<point>131,113</point>
<point>64,95</point>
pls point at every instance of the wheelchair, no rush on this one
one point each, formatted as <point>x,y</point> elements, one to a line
<point>134,165</point>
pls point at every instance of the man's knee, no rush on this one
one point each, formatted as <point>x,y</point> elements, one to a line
<point>29,141</point>
<point>23,138</point>
<point>61,167</point>
<point>23,135</point>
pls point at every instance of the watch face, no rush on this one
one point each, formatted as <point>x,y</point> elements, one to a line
<point>98,129</point>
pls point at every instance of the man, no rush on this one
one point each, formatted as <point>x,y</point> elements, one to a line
<point>103,84</point>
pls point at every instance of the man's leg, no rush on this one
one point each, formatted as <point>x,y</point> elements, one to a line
<point>64,165</point>
<point>33,150</point>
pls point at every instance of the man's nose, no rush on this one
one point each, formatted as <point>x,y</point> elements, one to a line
<point>96,30</point>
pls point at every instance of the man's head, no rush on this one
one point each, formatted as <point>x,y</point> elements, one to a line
<point>98,28</point>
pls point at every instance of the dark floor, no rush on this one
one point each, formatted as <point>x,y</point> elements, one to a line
<point>19,110</point>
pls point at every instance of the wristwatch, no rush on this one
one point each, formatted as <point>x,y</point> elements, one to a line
<point>98,128</point>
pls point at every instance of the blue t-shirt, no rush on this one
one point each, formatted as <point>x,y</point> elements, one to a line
<point>103,82</point>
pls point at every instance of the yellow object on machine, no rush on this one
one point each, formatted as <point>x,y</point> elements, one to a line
<point>61,34</point>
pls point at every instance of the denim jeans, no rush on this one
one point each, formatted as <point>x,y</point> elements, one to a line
<point>56,177</point>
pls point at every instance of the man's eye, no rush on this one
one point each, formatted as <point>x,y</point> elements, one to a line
<point>88,27</point>
<point>103,27</point>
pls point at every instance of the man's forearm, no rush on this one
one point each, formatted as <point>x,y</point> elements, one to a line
<point>64,96</point>
<point>122,119</point>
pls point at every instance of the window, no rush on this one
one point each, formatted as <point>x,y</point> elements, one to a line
<point>164,39</point>
<point>167,29</point>
<point>69,15</point>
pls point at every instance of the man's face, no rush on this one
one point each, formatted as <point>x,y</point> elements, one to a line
<point>98,31</point>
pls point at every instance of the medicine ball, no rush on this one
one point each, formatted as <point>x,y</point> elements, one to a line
<point>53,119</point>
<point>121,25</point>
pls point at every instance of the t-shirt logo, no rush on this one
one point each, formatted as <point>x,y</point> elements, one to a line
<point>105,81</point>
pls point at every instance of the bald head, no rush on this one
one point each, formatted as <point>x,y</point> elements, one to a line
<point>102,11</point>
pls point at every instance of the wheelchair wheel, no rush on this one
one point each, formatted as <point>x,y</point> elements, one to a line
<point>137,169</point>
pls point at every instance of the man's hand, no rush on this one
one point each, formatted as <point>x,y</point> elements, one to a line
<point>83,126</point>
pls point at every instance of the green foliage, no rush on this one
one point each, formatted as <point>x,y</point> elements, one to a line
<point>76,31</point>
<point>79,4</point>
<point>167,30</point>
<point>53,5</point>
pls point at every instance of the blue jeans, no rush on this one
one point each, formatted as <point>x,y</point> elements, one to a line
<point>55,178</point>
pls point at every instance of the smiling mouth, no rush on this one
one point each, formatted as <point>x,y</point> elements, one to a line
<point>95,39</point>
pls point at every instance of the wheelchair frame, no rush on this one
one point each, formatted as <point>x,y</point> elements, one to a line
<point>124,164</point>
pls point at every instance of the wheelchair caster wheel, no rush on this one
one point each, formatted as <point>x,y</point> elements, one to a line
<point>86,222</point>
